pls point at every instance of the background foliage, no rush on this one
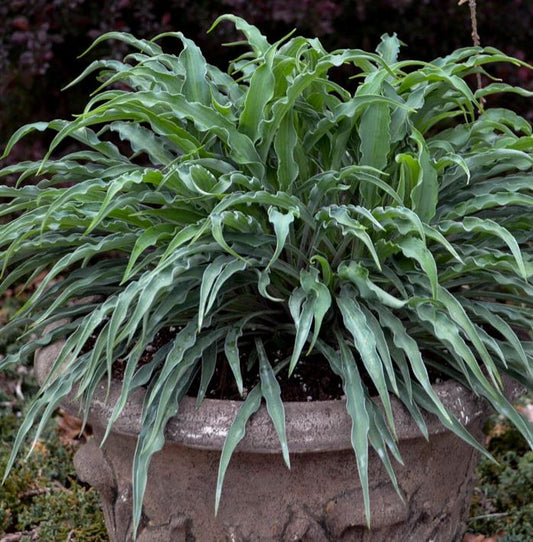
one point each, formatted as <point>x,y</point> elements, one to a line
<point>40,38</point>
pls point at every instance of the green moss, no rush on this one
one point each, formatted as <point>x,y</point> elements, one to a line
<point>42,491</point>
<point>53,510</point>
<point>503,501</point>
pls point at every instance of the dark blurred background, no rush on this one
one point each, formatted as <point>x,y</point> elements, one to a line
<point>41,39</point>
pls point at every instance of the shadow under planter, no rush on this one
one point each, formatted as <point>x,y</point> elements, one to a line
<point>319,499</point>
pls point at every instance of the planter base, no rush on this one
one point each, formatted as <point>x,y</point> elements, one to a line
<point>318,500</point>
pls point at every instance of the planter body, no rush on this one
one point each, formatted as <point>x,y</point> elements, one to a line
<point>318,500</point>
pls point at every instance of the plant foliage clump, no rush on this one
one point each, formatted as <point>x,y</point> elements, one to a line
<point>37,38</point>
<point>386,228</point>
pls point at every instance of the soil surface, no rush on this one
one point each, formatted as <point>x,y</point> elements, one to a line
<point>312,380</point>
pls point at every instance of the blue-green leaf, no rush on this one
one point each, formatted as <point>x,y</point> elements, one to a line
<point>272,394</point>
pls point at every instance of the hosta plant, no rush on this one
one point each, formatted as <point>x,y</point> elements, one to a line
<point>263,219</point>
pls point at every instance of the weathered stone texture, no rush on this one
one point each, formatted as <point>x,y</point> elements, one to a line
<point>318,500</point>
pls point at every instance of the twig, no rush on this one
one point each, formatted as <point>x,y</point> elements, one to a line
<point>16,537</point>
<point>475,40</point>
<point>18,390</point>
<point>487,516</point>
<point>33,493</point>
<point>473,19</point>
<point>56,486</point>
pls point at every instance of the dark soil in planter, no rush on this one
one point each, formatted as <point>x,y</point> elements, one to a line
<point>312,380</point>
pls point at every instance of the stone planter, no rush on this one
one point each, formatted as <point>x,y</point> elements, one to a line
<point>319,499</point>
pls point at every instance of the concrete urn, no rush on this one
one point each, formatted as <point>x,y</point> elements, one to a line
<point>318,500</point>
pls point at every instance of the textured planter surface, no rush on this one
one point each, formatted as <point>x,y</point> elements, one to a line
<point>319,499</point>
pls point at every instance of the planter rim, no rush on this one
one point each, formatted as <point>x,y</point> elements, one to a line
<point>315,426</point>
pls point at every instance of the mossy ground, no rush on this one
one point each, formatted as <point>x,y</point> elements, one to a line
<point>42,499</point>
<point>502,506</point>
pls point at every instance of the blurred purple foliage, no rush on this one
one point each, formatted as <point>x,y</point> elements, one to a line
<point>40,39</point>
